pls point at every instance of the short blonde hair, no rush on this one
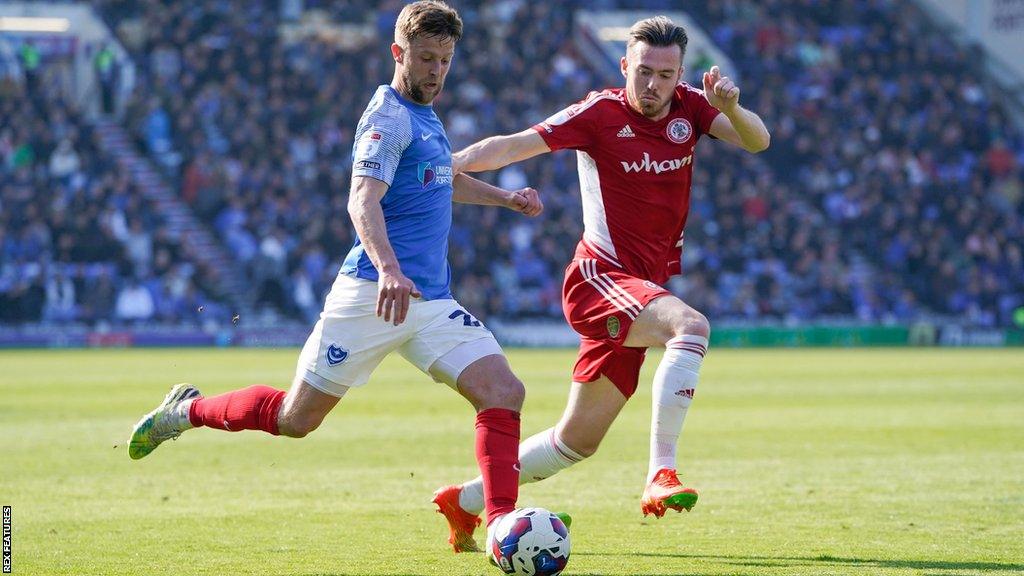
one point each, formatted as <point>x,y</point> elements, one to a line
<point>427,18</point>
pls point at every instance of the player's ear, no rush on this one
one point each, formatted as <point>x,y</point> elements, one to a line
<point>622,66</point>
<point>397,53</point>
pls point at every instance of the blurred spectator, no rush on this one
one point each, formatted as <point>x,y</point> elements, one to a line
<point>60,298</point>
<point>134,302</point>
<point>105,63</point>
<point>100,296</point>
<point>64,161</point>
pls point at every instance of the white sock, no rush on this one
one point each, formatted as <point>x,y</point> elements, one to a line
<point>540,456</point>
<point>674,384</point>
<point>180,415</point>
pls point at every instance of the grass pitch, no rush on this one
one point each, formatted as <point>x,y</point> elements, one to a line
<point>862,462</point>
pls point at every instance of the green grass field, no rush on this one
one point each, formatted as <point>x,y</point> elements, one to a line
<point>863,462</point>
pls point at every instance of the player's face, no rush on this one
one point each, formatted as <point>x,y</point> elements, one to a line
<point>652,73</point>
<point>423,66</point>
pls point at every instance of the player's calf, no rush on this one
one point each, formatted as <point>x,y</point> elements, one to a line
<point>298,425</point>
<point>304,408</point>
<point>252,408</point>
<point>540,456</point>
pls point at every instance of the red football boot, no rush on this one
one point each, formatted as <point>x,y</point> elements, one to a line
<point>664,492</point>
<point>461,524</point>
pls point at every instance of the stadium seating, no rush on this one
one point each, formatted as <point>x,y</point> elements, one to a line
<point>78,244</point>
<point>892,191</point>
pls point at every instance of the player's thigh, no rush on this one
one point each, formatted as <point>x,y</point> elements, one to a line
<point>662,319</point>
<point>349,340</point>
<point>602,303</point>
<point>455,348</point>
<point>591,409</point>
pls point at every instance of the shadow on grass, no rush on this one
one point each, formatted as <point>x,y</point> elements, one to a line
<point>829,560</point>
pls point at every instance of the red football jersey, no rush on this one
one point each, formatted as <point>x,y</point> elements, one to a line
<point>634,175</point>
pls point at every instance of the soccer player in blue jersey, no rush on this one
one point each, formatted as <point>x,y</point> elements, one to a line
<point>393,291</point>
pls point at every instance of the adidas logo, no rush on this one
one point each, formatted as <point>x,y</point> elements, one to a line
<point>626,132</point>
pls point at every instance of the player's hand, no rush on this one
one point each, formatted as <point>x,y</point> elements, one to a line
<point>720,91</point>
<point>526,201</point>
<point>393,292</point>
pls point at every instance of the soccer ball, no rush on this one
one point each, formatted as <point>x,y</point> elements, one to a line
<point>529,542</point>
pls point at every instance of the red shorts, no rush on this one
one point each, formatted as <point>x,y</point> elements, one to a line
<point>600,301</point>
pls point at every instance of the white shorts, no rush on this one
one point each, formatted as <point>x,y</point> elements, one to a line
<point>350,340</point>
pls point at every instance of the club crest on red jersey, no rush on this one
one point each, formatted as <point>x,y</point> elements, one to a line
<point>613,326</point>
<point>679,130</point>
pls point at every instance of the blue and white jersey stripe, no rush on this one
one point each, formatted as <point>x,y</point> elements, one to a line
<point>383,134</point>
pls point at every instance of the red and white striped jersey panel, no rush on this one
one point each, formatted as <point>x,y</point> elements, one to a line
<point>634,175</point>
<point>595,221</point>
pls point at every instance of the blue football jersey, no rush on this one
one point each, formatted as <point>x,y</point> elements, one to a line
<point>404,145</point>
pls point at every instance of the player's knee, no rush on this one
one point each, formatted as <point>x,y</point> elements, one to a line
<point>508,392</point>
<point>516,393</point>
<point>498,391</point>
<point>692,323</point>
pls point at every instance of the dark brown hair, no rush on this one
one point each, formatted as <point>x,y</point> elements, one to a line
<point>658,31</point>
<point>427,18</point>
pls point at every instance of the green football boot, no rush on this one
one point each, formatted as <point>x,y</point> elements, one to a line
<point>163,423</point>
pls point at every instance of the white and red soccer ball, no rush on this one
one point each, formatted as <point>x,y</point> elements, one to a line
<point>529,542</point>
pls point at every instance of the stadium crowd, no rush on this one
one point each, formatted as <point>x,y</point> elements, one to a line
<point>896,182</point>
<point>892,190</point>
<point>77,241</point>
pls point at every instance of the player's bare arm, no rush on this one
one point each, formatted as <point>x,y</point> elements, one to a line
<point>499,151</point>
<point>736,125</point>
<point>469,190</point>
<point>393,287</point>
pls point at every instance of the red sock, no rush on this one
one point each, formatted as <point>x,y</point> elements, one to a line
<point>497,454</point>
<point>252,408</point>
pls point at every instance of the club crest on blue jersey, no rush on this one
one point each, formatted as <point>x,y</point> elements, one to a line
<point>429,174</point>
<point>425,174</point>
<point>336,355</point>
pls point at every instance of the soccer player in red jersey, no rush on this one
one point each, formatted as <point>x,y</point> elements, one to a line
<point>635,148</point>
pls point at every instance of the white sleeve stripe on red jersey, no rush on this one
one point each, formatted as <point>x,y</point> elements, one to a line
<point>594,247</point>
<point>566,114</point>
<point>604,284</point>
